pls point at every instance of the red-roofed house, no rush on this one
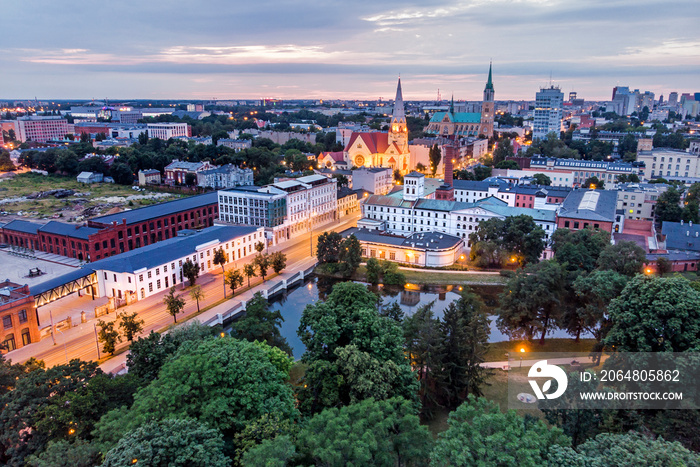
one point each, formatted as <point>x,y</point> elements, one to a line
<point>331,160</point>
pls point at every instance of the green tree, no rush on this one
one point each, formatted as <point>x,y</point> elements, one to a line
<point>663,265</point>
<point>260,323</point>
<point>374,271</point>
<point>108,335</point>
<point>172,442</point>
<point>346,340</point>
<point>350,255</point>
<point>691,211</point>
<point>220,260</point>
<point>435,156</point>
<point>531,301</point>
<point>579,249</point>
<point>249,271</point>
<point>173,304</point>
<point>197,294</point>
<point>481,172</point>
<point>121,173</point>
<point>542,179</point>
<point>498,241</point>
<point>131,325</point>
<point>67,162</point>
<point>509,164</point>
<point>148,354</point>
<point>190,179</point>
<point>478,434</point>
<point>278,260</point>
<point>234,279</point>
<point>623,450</point>
<point>259,247</point>
<point>262,262</point>
<point>655,314</point>
<point>328,247</point>
<point>190,270</point>
<point>504,149</point>
<point>624,257</point>
<point>63,453</point>
<point>226,381</point>
<point>668,207</point>
<point>341,436</point>
<point>465,330</point>
<point>594,183</point>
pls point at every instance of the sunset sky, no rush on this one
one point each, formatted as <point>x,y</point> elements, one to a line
<point>354,49</point>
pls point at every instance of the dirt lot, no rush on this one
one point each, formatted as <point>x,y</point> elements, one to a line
<point>21,197</point>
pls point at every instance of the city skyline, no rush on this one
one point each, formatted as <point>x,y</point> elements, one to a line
<point>311,49</point>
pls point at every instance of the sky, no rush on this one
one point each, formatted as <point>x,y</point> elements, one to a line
<point>353,49</point>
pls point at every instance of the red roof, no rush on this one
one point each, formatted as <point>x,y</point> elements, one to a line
<point>376,142</point>
<point>336,156</point>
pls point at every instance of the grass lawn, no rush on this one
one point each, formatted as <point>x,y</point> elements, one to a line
<point>567,348</point>
<point>439,277</point>
<point>27,183</point>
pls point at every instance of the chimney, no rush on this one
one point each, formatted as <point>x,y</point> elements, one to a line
<point>448,164</point>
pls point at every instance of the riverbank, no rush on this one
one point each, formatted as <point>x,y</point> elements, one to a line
<point>428,276</point>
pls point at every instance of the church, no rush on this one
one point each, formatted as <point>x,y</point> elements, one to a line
<point>379,149</point>
<point>457,124</point>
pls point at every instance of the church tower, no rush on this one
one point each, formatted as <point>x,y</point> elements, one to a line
<point>398,130</point>
<point>487,108</point>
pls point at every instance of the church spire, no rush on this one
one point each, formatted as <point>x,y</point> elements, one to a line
<point>399,112</point>
<point>452,104</point>
<point>489,82</point>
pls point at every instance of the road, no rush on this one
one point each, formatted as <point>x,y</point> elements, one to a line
<point>80,341</point>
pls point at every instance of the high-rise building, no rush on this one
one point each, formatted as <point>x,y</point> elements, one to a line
<point>41,129</point>
<point>548,112</point>
<point>673,98</point>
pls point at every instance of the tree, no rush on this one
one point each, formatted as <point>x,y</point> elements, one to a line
<point>435,156</point>
<point>374,271</point>
<point>261,324</point>
<point>594,183</point>
<point>328,247</point>
<point>350,254</point>
<point>579,249</point>
<point>278,261</point>
<point>226,381</point>
<point>481,172</point>
<point>174,304</point>
<point>627,450</point>
<point>339,436</point>
<point>93,164</point>
<point>504,149</point>
<point>542,179</point>
<point>148,354</point>
<point>234,279</point>
<point>509,164</point>
<point>624,257</point>
<point>108,336</point>
<point>499,241</point>
<point>259,247</point>
<point>220,259</point>
<point>63,453</point>
<point>67,162</point>
<point>655,314</point>
<point>691,211</point>
<point>190,179</point>
<point>479,434</point>
<point>465,328</point>
<point>249,271</point>
<point>173,442</point>
<point>121,173</point>
<point>663,265</point>
<point>668,207</point>
<point>131,325</point>
<point>197,294</point>
<point>531,301</point>
<point>352,353</point>
<point>420,167</point>
<point>262,262</point>
<point>190,270</point>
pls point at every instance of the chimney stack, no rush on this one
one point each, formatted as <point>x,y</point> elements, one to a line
<point>447,163</point>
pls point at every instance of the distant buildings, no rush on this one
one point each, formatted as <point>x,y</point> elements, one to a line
<point>41,129</point>
<point>226,176</point>
<point>596,209</point>
<point>90,177</point>
<point>672,164</point>
<point>166,131</point>
<point>377,180</point>
<point>235,144</point>
<point>149,177</point>
<point>176,172</point>
<point>548,112</point>
<point>581,170</point>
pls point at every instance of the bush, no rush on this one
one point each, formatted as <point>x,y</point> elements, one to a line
<point>506,273</point>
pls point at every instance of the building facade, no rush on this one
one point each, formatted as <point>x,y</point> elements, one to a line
<point>176,172</point>
<point>149,177</point>
<point>225,176</point>
<point>671,164</point>
<point>549,103</point>
<point>377,180</point>
<point>20,323</point>
<point>165,131</point>
<point>42,129</point>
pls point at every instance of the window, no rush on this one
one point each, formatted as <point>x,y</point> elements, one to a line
<point>7,322</point>
<point>149,274</point>
<point>158,284</point>
<point>140,277</point>
<point>150,286</point>
<point>158,272</point>
<point>22,315</point>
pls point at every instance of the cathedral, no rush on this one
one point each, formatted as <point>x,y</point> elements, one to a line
<point>379,149</point>
<point>458,124</point>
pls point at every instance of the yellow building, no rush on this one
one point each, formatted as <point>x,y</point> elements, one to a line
<point>379,149</point>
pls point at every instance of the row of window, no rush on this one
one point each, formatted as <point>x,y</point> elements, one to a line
<point>7,321</point>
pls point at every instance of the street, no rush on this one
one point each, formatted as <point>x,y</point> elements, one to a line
<point>80,341</point>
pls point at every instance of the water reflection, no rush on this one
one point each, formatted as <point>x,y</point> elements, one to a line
<point>292,303</point>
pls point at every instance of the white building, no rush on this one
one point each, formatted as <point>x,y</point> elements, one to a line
<point>378,180</point>
<point>235,144</point>
<point>286,208</point>
<point>548,112</point>
<point>226,176</point>
<point>672,164</point>
<point>580,170</point>
<point>166,131</point>
<point>157,267</point>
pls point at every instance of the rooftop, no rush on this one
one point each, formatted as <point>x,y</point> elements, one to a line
<point>681,235</point>
<point>593,205</point>
<point>418,240</point>
<point>159,210</point>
